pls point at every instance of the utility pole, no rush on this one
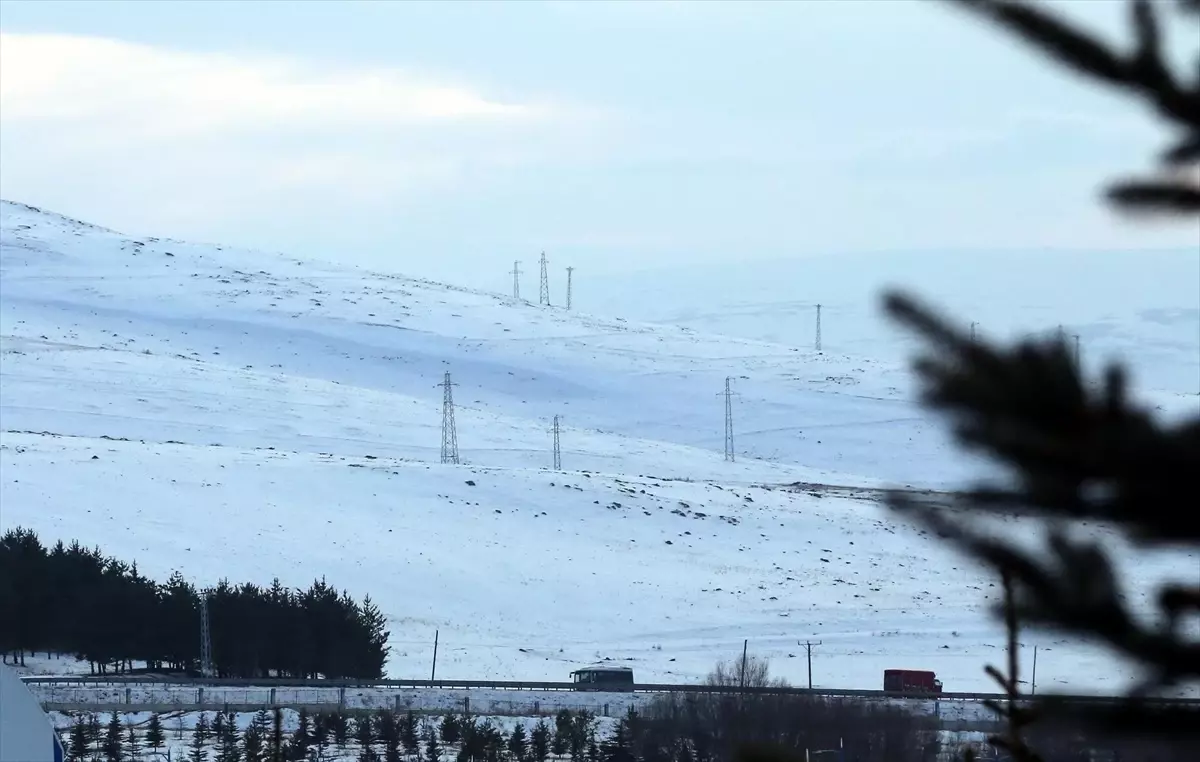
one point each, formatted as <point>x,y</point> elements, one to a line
<point>728,393</point>
<point>1075,336</point>
<point>206,659</point>
<point>449,431</point>
<point>569,271</point>
<point>818,341</point>
<point>745,646</point>
<point>433,672</point>
<point>808,646</point>
<point>1033,680</point>
<point>973,324</point>
<point>544,286</point>
<point>557,448</point>
<point>516,273</point>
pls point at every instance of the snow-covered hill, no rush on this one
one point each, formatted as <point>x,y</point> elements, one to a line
<point>233,413</point>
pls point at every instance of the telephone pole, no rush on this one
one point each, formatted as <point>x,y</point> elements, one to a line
<point>449,432</point>
<point>516,273</point>
<point>818,340</point>
<point>206,660</point>
<point>729,456</point>
<point>973,324</point>
<point>544,286</point>
<point>808,646</point>
<point>557,447</point>
<point>569,271</point>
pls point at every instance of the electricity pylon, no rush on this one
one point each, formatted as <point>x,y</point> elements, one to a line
<point>569,271</point>
<point>729,394</point>
<point>516,273</point>
<point>544,286</point>
<point>449,432</point>
<point>206,659</point>
<point>557,447</point>
<point>817,343</point>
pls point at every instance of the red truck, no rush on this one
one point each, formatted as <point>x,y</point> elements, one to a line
<point>911,681</point>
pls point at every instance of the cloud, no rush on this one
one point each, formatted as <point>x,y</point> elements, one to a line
<point>185,143</point>
<point>148,90</point>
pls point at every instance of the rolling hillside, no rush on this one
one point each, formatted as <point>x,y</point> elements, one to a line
<point>241,414</point>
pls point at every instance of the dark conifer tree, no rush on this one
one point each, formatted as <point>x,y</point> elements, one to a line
<point>95,734</point>
<point>253,742</point>
<point>388,731</point>
<point>276,746</point>
<point>78,744</point>
<point>518,743</point>
<point>340,728</point>
<point>450,729</point>
<point>133,743</point>
<point>433,749</point>
<point>539,742</point>
<point>197,749</point>
<point>227,739</point>
<point>203,727</point>
<point>302,738</point>
<point>364,734</point>
<point>113,739</point>
<point>154,733</point>
<point>410,734</point>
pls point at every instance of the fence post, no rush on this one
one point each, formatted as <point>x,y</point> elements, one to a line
<point>272,697</point>
<point>200,696</point>
<point>467,705</point>
<point>537,709</point>
<point>129,695</point>
<point>606,710</point>
<point>342,698</point>
<point>397,703</point>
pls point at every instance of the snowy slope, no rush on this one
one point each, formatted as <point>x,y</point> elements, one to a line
<point>232,413</point>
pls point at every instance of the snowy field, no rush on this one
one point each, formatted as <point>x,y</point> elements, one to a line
<point>245,415</point>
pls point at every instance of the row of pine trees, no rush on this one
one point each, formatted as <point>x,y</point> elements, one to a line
<point>73,600</point>
<point>383,736</point>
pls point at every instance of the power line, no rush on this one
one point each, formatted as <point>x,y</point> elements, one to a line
<point>449,431</point>
<point>516,273</point>
<point>544,286</point>
<point>808,646</point>
<point>817,343</point>
<point>557,447</point>
<point>569,271</point>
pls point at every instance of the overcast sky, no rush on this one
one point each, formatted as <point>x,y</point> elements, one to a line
<point>442,138</point>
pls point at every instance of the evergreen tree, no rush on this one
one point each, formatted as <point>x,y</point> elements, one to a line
<point>433,750</point>
<point>388,731</point>
<point>113,741</point>
<point>78,743</point>
<point>340,727</point>
<point>618,746</point>
<point>364,734</point>
<point>539,742</point>
<point>320,732</point>
<point>227,739</point>
<point>133,743</point>
<point>275,748</point>
<point>196,750</point>
<point>518,743</point>
<point>450,729</point>
<point>253,746</point>
<point>203,728</point>
<point>302,738</point>
<point>409,734</point>
<point>95,735</point>
<point>562,733</point>
<point>154,733</point>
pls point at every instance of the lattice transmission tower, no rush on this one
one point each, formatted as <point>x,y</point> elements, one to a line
<point>206,658</point>
<point>817,342</point>
<point>516,273</point>
<point>449,432</point>
<point>544,286</point>
<point>569,271</point>
<point>557,447</point>
<point>729,395</point>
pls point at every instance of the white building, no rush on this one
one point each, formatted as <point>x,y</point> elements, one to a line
<point>26,734</point>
